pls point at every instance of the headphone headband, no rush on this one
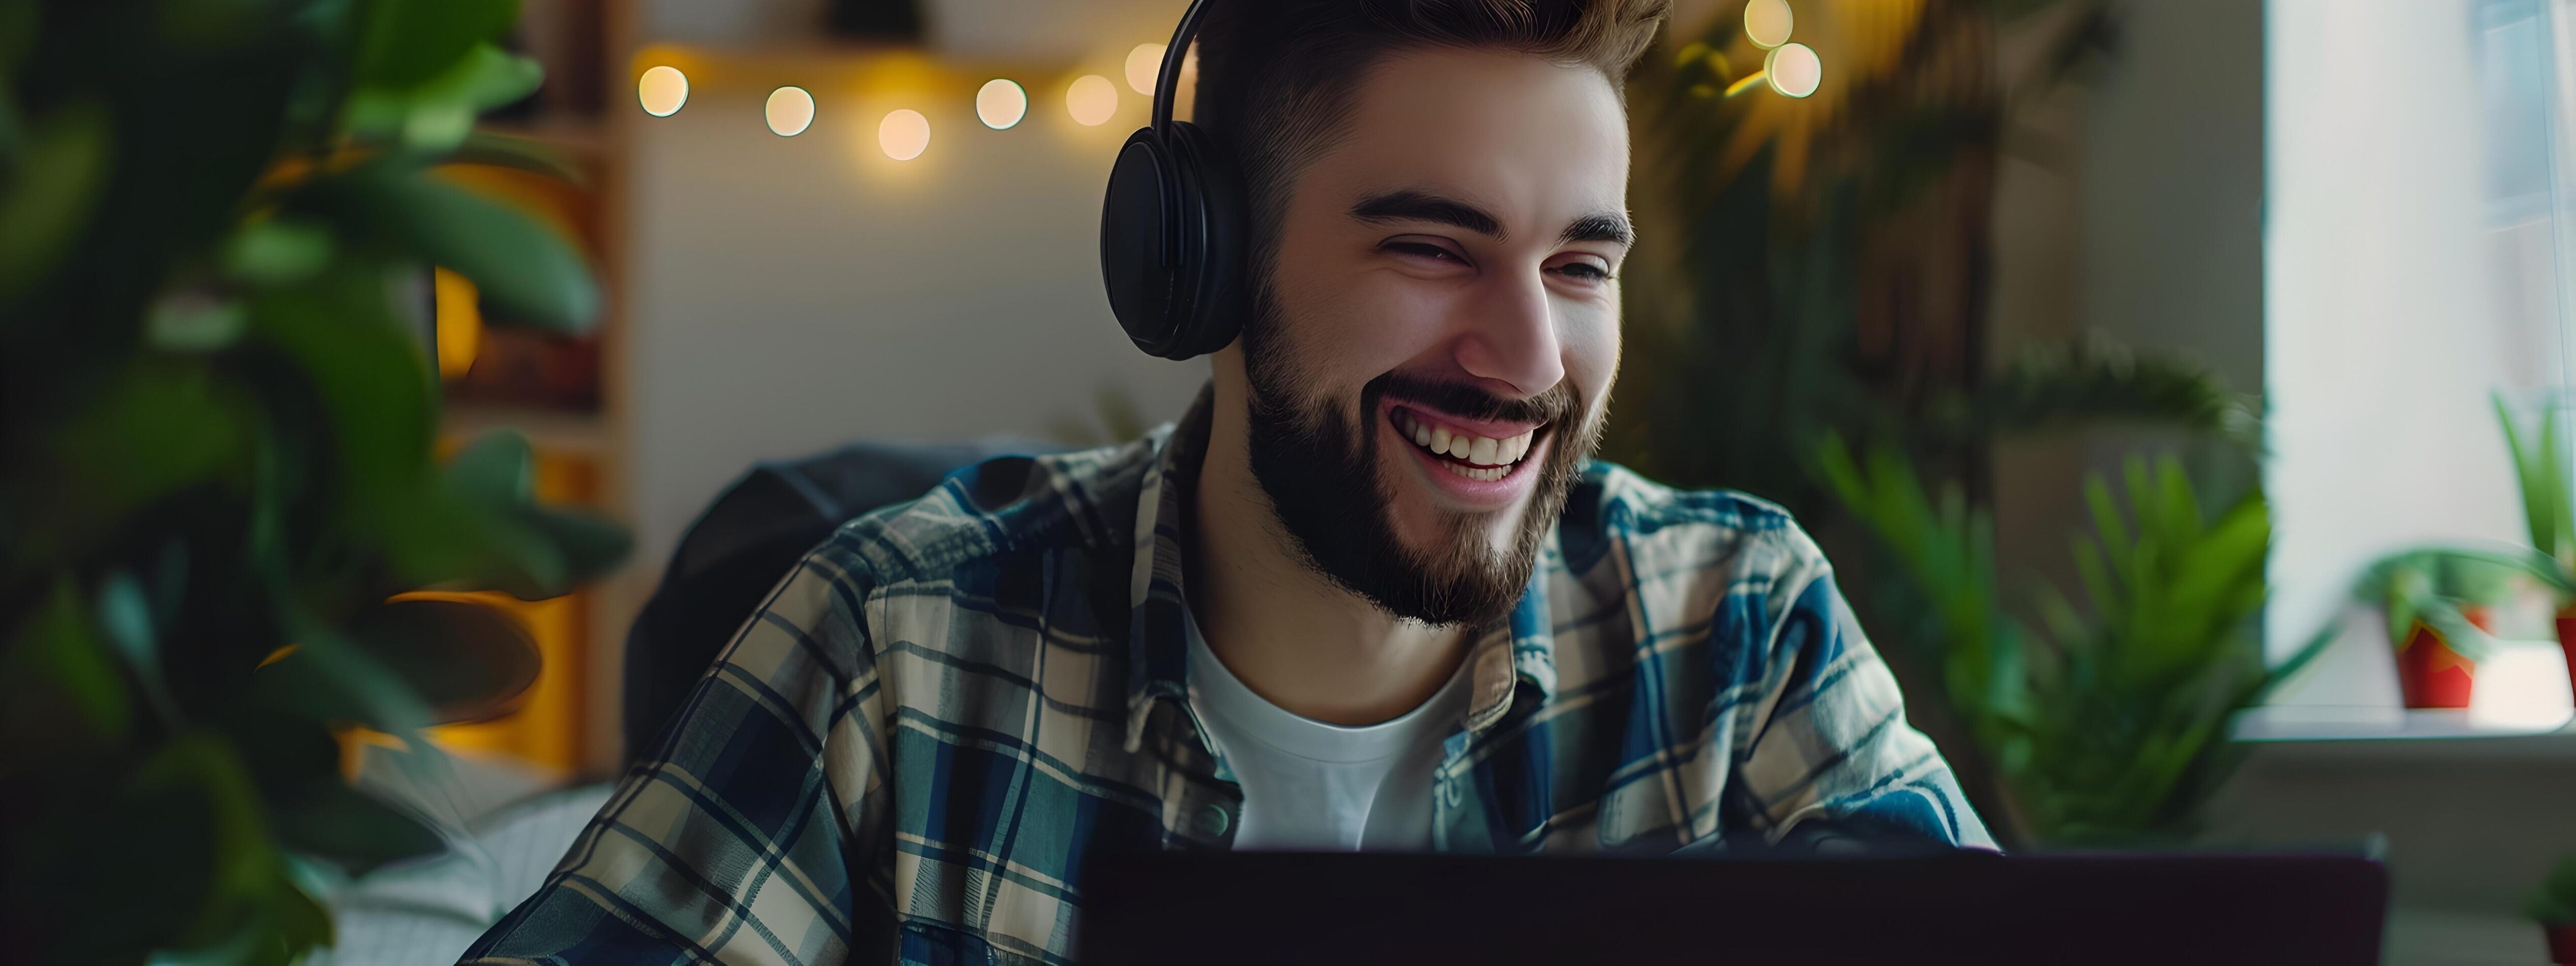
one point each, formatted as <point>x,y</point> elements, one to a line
<point>1168,79</point>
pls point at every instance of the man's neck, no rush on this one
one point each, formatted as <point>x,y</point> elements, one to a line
<point>1293,636</point>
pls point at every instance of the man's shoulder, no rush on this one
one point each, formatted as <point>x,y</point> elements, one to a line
<point>1666,528</point>
<point>1003,507</point>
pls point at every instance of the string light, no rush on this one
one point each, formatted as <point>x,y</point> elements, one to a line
<point>791,111</point>
<point>662,90</point>
<point>1767,22</point>
<point>1091,99</point>
<point>904,134</point>
<point>1001,103</point>
<point>1144,64</point>
<point>1794,70</point>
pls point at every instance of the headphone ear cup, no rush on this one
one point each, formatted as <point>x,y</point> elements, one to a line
<point>1171,243</point>
<point>1136,229</point>
<point>1211,200</point>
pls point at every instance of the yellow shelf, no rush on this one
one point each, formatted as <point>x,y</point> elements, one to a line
<point>550,430</point>
<point>586,137</point>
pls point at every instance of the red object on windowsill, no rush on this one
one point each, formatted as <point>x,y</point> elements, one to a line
<point>2567,641</point>
<point>2431,674</point>
<point>2562,941</point>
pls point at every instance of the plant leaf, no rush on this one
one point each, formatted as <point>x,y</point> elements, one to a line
<point>590,545</point>
<point>353,828</point>
<point>46,200</point>
<point>2092,381</point>
<point>374,384</point>
<point>465,660</point>
<point>438,115</point>
<point>157,427</point>
<point>2528,476</point>
<point>520,153</point>
<point>59,646</point>
<point>520,265</point>
<point>277,251</point>
<point>328,678</point>
<point>497,469</point>
<point>408,42</point>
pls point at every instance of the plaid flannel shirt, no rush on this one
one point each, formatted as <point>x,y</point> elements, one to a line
<point>909,753</point>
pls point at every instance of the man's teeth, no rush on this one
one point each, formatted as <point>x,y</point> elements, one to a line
<point>1493,457</point>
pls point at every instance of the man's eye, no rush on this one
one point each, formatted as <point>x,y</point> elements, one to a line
<point>1584,270</point>
<point>1422,249</point>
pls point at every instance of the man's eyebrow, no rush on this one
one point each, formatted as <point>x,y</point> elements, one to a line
<point>1411,205</point>
<point>1609,226</point>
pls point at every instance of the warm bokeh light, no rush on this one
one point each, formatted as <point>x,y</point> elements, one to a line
<point>662,90</point>
<point>904,134</point>
<point>1794,70</point>
<point>1001,103</point>
<point>459,317</point>
<point>1143,65</point>
<point>1091,99</point>
<point>791,111</point>
<point>1767,22</point>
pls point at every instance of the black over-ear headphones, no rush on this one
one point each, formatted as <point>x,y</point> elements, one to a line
<point>1171,233</point>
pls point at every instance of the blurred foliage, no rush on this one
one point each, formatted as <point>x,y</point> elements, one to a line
<point>2554,903</point>
<point>2540,471</point>
<point>216,474</point>
<point>2110,725</point>
<point>1818,270</point>
<point>2435,586</point>
<point>2089,382</point>
<point>1822,265</point>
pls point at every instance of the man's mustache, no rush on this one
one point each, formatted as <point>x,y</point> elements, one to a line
<point>1557,405</point>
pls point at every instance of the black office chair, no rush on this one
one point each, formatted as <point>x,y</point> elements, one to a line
<point>747,540</point>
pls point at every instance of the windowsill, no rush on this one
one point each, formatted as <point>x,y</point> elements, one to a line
<point>2461,938</point>
<point>2325,733</point>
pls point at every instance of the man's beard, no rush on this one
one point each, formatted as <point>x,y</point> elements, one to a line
<point>1320,470</point>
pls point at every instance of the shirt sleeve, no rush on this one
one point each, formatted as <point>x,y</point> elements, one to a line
<point>1834,747</point>
<point>745,837</point>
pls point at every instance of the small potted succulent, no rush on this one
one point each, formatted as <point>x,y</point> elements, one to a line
<point>2548,508</point>
<point>2440,605</point>
<point>2553,905</point>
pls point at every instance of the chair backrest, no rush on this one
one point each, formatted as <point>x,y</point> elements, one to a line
<point>747,540</point>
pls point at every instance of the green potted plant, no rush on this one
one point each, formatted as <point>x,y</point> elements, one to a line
<point>2440,604</point>
<point>2108,723</point>
<point>217,480</point>
<point>2553,906</point>
<point>2540,471</point>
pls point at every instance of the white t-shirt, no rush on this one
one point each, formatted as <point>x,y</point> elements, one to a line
<point>1314,786</point>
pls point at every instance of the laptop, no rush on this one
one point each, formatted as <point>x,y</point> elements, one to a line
<point>1951,907</point>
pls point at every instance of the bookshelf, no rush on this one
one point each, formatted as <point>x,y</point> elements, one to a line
<point>560,392</point>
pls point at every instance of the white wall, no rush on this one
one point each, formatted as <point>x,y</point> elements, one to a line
<point>2379,353</point>
<point>2173,185</point>
<point>791,294</point>
<point>2128,204</point>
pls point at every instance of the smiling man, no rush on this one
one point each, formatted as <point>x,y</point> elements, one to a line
<point>1371,592</point>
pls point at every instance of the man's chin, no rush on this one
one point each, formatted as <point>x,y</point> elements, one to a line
<point>1379,515</point>
<point>1426,530</point>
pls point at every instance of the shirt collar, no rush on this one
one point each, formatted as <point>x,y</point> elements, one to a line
<point>1520,655</point>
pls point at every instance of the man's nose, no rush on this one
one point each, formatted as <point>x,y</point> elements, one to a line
<point>1511,335</point>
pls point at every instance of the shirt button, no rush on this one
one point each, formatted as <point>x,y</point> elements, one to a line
<point>1213,820</point>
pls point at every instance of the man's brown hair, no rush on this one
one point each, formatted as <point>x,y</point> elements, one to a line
<point>1277,77</point>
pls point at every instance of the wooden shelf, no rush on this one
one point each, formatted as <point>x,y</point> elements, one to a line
<point>552,430</point>
<point>580,136</point>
